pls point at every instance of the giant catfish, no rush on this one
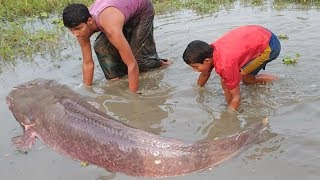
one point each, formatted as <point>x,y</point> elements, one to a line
<point>64,121</point>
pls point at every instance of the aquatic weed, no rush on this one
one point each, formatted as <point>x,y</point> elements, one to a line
<point>283,36</point>
<point>290,61</point>
<point>84,164</point>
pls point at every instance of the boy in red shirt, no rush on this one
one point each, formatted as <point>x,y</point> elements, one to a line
<point>238,55</point>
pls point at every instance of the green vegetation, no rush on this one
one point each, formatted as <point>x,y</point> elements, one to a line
<point>26,29</point>
<point>17,42</point>
<point>10,10</point>
<point>199,6</point>
<point>289,61</point>
<point>302,4</point>
<point>84,164</point>
<point>283,36</point>
<point>29,27</point>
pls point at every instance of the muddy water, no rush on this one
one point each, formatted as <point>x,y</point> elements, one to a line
<point>172,105</point>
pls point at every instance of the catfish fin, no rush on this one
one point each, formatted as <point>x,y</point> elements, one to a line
<point>24,142</point>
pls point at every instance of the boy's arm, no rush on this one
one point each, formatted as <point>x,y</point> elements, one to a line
<point>87,62</point>
<point>203,78</point>
<point>112,22</point>
<point>232,96</point>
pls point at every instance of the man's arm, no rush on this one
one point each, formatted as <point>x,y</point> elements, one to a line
<point>87,62</point>
<point>232,96</point>
<point>112,21</point>
<point>119,41</point>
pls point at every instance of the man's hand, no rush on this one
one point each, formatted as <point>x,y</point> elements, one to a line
<point>87,62</point>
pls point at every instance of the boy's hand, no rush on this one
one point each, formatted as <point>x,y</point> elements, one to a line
<point>203,78</point>
<point>232,110</point>
<point>134,93</point>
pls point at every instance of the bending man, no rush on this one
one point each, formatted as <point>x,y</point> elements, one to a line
<point>125,44</point>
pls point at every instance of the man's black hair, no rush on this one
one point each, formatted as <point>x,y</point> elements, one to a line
<point>75,14</point>
<point>196,52</point>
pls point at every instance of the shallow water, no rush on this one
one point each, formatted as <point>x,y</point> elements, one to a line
<point>173,106</point>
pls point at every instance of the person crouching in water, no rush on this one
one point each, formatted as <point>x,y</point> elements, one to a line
<point>238,55</point>
<point>125,44</point>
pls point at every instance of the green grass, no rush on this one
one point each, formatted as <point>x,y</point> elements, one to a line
<point>10,10</point>
<point>18,42</point>
<point>198,6</point>
<point>22,37</point>
<point>302,4</point>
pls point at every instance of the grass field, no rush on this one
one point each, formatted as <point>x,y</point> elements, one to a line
<point>34,26</point>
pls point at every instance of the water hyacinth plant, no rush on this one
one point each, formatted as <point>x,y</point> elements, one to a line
<point>291,60</point>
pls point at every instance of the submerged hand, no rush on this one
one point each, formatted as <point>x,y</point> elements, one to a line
<point>134,93</point>
<point>232,110</point>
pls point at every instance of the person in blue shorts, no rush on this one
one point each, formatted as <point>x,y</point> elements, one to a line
<point>238,55</point>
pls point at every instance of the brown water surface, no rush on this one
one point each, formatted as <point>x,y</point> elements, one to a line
<point>173,106</point>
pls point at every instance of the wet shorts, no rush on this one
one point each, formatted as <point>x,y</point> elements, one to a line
<point>271,52</point>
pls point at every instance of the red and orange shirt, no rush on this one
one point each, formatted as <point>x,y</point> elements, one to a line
<point>235,48</point>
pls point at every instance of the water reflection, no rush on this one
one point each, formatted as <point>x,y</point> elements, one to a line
<point>145,111</point>
<point>227,124</point>
<point>172,107</point>
<point>108,177</point>
<point>258,103</point>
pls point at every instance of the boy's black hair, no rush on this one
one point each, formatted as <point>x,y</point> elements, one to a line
<point>196,52</point>
<point>75,14</point>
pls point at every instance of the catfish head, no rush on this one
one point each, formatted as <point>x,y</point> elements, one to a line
<point>27,99</point>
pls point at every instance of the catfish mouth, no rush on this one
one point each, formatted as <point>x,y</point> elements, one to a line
<point>22,119</point>
<point>9,98</point>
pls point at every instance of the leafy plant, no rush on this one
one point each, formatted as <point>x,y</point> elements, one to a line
<point>283,36</point>
<point>84,164</point>
<point>289,61</point>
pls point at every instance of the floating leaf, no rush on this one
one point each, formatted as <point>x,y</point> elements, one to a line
<point>283,36</point>
<point>288,60</point>
<point>84,164</point>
